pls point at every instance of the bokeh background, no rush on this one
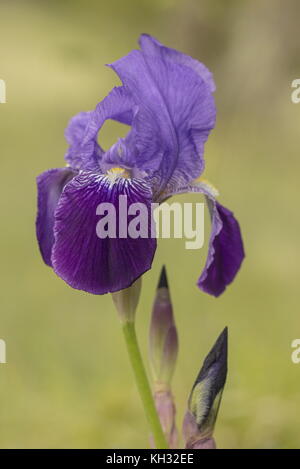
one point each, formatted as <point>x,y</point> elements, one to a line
<point>67,383</point>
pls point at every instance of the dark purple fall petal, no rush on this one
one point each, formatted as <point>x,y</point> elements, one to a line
<point>79,256</point>
<point>225,252</point>
<point>49,185</point>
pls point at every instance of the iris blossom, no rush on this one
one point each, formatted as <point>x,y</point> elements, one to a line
<point>166,98</point>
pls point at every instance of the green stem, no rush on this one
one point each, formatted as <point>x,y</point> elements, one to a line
<point>143,384</point>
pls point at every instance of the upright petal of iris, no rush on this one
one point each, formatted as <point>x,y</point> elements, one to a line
<point>174,115</point>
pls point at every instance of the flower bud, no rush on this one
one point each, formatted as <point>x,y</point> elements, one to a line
<point>205,398</point>
<point>163,355</point>
<point>163,334</point>
<point>126,301</point>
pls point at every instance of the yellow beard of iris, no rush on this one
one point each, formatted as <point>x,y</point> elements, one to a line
<point>115,173</point>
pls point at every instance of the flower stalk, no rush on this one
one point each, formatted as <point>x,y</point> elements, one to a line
<point>126,302</point>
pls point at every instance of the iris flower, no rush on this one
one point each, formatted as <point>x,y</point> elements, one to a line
<point>166,98</point>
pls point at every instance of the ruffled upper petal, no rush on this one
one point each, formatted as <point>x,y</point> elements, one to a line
<point>84,152</point>
<point>226,250</point>
<point>82,155</point>
<point>167,99</point>
<point>151,46</point>
<point>117,105</point>
<point>175,112</point>
<point>50,185</point>
<point>83,259</point>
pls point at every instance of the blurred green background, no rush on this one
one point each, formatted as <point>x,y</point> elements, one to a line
<point>67,383</point>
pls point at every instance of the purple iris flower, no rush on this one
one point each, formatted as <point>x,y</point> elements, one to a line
<point>166,99</point>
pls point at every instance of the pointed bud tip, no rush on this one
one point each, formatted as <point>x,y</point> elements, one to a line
<point>224,333</point>
<point>163,280</point>
<point>217,355</point>
<point>206,394</point>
